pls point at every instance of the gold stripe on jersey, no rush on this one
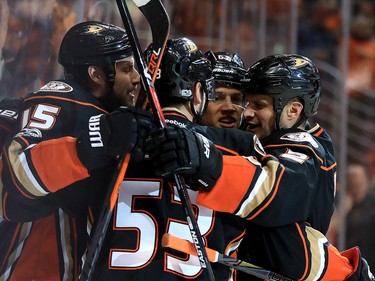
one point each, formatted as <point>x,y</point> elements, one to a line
<point>65,241</point>
<point>62,156</point>
<point>243,186</point>
<point>267,184</point>
<point>20,235</point>
<point>232,246</point>
<point>318,243</point>
<point>22,172</point>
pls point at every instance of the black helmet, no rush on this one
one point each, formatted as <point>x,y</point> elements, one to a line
<point>93,43</point>
<point>228,69</point>
<point>182,66</point>
<point>284,77</point>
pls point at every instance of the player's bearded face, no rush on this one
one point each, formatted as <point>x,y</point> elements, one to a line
<point>260,115</point>
<point>127,80</point>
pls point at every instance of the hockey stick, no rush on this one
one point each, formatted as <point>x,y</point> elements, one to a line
<point>156,15</point>
<point>148,86</point>
<point>187,247</point>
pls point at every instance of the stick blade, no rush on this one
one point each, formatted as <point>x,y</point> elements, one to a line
<point>159,22</point>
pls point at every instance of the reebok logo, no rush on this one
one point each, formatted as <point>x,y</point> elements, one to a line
<point>94,131</point>
<point>175,123</point>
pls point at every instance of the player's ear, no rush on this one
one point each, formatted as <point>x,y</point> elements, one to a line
<point>197,94</point>
<point>295,108</point>
<point>96,74</point>
<point>291,113</point>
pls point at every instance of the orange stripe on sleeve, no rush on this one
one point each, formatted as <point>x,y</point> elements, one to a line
<point>231,187</point>
<point>64,166</point>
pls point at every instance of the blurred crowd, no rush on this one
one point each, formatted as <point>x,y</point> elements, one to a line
<point>31,31</point>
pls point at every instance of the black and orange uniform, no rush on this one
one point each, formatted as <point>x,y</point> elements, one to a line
<point>306,170</point>
<point>149,206</point>
<point>47,205</point>
<point>285,233</point>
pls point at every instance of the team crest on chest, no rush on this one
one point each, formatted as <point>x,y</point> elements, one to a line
<point>300,137</point>
<point>56,86</point>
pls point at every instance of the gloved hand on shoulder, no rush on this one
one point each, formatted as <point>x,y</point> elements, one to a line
<point>108,136</point>
<point>179,151</point>
<point>9,109</point>
<point>361,268</point>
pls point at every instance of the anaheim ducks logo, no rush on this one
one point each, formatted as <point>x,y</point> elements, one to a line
<point>93,29</point>
<point>297,63</point>
<point>56,86</point>
<point>300,137</point>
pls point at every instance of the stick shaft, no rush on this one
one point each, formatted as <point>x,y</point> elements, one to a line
<point>156,108</point>
<point>187,247</point>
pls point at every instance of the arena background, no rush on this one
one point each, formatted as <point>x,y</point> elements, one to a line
<point>338,35</point>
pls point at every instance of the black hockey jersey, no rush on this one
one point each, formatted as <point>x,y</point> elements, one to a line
<point>298,182</point>
<point>308,185</point>
<point>149,206</point>
<point>46,188</point>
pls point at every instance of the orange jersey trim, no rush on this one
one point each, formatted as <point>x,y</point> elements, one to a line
<point>62,154</point>
<point>231,187</point>
<point>67,99</point>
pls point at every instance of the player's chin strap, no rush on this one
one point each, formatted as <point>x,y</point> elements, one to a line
<point>198,114</point>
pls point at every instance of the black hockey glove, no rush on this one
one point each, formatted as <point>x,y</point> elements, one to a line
<point>111,135</point>
<point>9,108</point>
<point>362,270</point>
<point>179,151</point>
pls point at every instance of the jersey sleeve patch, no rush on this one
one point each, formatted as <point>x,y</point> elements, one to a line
<point>300,137</point>
<point>56,86</point>
<point>294,156</point>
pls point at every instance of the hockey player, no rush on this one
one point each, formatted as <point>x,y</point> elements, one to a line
<point>279,218</point>
<point>227,109</point>
<point>283,92</point>
<point>69,136</point>
<point>149,205</point>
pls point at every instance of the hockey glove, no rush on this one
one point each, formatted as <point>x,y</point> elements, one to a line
<point>361,268</point>
<point>179,151</point>
<point>9,108</point>
<point>109,136</point>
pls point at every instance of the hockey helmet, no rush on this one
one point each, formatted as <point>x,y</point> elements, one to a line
<point>228,69</point>
<point>94,43</point>
<point>182,66</point>
<point>285,77</point>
